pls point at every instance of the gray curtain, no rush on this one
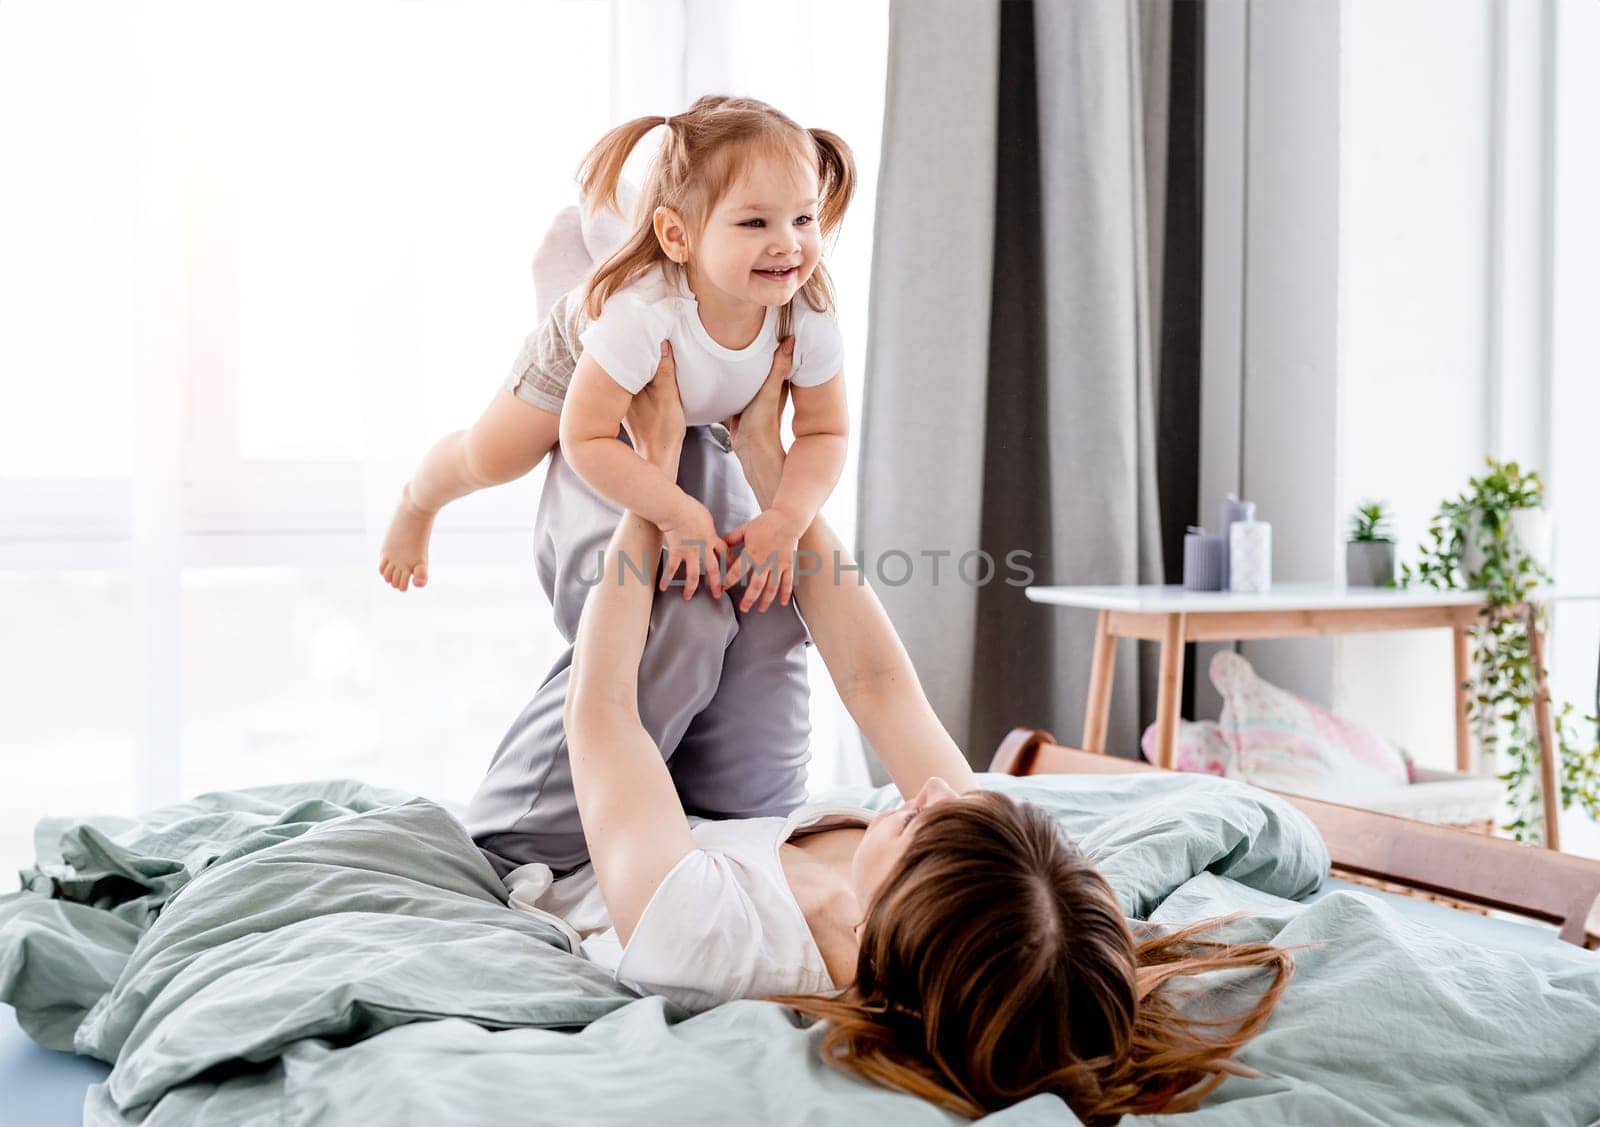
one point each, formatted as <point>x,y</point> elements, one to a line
<point>1011,384</point>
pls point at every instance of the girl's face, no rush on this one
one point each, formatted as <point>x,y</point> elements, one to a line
<point>887,837</point>
<point>761,241</point>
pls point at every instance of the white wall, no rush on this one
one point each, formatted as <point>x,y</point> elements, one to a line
<point>1418,177</point>
<point>1414,273</point>
<point>1291,308</point>
<point>1269,332</point>
<point>1575,370</point>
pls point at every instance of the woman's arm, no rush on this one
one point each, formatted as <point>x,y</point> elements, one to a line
<point>633,821</point>
<point>869,666</point>
<point>816,459</point>
<point>811,470</point>
<point>871,669</point>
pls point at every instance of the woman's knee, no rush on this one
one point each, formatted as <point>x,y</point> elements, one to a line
<point>683,653</point>
<point>702,623</point>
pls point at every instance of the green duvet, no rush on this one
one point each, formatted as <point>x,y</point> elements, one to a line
<point>337,953</point>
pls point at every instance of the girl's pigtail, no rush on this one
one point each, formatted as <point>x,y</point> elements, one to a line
<point>836,175</point>
<point>599,175</point>
<point>601,169</point>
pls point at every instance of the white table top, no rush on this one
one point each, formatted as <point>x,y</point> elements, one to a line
<point>1174,599</point>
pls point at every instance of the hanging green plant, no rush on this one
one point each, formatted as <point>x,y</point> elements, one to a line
<point>1479,540</point>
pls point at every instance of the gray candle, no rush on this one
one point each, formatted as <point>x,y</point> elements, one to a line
<point>1202,561</point>
<point>1231,509</point>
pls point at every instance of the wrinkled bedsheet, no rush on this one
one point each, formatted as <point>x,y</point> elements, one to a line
<point>334,952</point>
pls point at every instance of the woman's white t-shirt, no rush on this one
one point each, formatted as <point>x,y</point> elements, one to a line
<point>713,381</point>
<point>723,924</point>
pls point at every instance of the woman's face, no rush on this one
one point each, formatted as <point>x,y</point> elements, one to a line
<point>887,837</point>
<point>761,242</point>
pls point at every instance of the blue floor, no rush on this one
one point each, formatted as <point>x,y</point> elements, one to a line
<point>41,1088</point>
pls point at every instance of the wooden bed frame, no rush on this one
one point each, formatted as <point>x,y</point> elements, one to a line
<point>1489,872</point>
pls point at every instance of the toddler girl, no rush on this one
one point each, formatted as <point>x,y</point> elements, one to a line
<point>726,236</point>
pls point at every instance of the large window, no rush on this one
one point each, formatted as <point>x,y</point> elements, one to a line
<point>254,259</point>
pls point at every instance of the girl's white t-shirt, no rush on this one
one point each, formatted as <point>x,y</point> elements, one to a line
<point>714,382</point>
<point>723,924</point>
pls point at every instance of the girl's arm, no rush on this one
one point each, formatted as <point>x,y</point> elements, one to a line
<point>633,821</point>
<point>593,411</point>
<point>858,643</point>
<point>590,418</point>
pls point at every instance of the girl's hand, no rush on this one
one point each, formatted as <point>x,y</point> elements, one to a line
<point>655,416</point>
<point>655,426</point>
<point>770,540</point>
<point>691,540</point>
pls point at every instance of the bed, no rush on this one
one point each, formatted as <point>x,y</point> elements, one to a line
<point>334,952</point>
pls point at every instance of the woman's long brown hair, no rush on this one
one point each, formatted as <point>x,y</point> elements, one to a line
<point>706,148</point>
<point>996,964</point>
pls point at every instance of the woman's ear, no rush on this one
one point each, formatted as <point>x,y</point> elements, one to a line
<point>671,233</point>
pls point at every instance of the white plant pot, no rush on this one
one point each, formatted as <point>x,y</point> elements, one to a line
<point>1531,529</point>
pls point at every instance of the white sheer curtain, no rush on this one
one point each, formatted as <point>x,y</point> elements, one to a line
<point>254,258</point>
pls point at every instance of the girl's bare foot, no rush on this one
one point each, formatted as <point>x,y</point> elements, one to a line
<point>405,546</point>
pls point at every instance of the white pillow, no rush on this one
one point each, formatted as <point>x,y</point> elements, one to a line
<point>1285,742</point>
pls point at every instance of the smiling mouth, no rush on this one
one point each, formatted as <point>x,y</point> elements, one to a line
<point>778,275</point>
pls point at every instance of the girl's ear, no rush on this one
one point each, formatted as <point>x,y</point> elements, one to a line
<point>671,233</point>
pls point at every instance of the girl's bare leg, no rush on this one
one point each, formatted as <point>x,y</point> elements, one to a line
<point>508,440</point>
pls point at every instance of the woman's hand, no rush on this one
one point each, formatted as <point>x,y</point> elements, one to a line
<point>756,437</point>
<point>655,417</point>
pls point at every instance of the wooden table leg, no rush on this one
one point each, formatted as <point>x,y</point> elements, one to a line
<point>1549,753</point>
<point>1169,691</point>
<point>1464,755</point>
<point>1098,710</point>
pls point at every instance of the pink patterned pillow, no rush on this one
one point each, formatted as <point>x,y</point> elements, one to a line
<point>1202,748</point>
<point>1285,742</point>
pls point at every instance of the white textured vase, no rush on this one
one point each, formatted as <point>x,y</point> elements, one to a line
<point>1250,557</point>
<point>1531,529</point>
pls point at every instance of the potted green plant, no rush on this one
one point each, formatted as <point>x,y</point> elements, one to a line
<point>1484,540</point>
<point>1369,552</point>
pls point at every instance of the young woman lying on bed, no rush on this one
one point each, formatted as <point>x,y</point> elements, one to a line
<point>961,947</point>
